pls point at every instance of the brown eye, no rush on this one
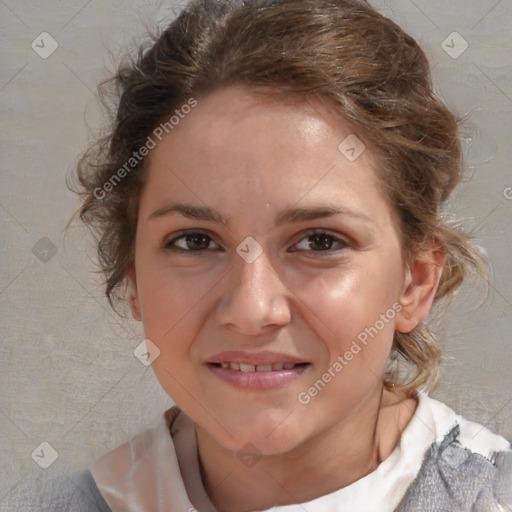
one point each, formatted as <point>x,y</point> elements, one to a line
<point>196,241</point>
<point>320,241</point>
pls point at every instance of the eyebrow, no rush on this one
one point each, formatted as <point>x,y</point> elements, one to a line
<point>290,215</point>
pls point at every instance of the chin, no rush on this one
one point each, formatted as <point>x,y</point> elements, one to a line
<point>271,435</point>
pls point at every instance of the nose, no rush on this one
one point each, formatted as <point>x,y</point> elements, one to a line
<point>255,300</point>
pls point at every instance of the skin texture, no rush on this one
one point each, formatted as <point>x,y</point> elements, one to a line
<point>249,160</point>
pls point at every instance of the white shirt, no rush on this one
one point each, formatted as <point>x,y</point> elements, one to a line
<point>143,475</point>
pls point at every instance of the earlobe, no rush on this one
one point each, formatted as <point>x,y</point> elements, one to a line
<point>134,296</point>
<point>420,288</point>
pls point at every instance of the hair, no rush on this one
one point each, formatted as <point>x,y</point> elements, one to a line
<point>368,70</point>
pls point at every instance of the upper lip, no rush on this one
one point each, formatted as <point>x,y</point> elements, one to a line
<point>254,358</point>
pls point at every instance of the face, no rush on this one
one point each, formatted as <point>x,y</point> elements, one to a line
<point>255,289</point>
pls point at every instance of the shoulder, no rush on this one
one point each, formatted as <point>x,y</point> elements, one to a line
<point>143,470</point>
<point>59,490</point>
<point>466,468</point>
<point>64,488</point>
<point>89,493</point>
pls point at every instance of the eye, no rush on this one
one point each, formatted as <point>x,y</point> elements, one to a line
<point>320,241</point>
<point>199,241</point>
<point>189,241</point>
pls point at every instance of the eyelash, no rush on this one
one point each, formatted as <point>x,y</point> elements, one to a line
<point>169,244</point>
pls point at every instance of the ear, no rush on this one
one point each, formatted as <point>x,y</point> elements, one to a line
<point>134,295</point>
<point>420,287</point>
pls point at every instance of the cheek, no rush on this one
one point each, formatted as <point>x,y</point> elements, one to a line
<point>342,305</point>
<point>354,317</point>
<point>173,325</point>
<point>172,306</point>
<point>169,297</point>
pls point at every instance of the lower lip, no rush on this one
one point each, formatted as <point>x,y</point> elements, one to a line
<point>258,380</point>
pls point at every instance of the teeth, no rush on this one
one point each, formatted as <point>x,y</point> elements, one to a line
<point>258,368</point>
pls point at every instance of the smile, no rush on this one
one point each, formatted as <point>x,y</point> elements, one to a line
<point>258,377</point>
<point>258,368</point>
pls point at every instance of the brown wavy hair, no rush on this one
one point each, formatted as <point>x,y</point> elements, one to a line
<point>371,73</point>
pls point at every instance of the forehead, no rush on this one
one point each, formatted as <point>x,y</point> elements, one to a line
<point>269,117</point>
<point>264,150</point>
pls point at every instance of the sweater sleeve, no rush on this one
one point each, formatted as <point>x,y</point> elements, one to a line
<point>59,490</point>
<point>452,478</point>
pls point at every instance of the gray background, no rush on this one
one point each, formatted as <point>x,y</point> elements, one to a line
<point>68,375</point>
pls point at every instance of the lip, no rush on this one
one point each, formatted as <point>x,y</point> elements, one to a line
<point>258,381</point>
<point>254,358</point>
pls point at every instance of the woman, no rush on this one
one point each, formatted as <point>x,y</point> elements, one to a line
<point>269,199</point>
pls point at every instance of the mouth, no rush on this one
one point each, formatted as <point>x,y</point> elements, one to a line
<point>250,368</point>
<point>257,371</point>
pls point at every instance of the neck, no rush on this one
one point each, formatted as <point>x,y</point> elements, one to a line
<point>331,460</point>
